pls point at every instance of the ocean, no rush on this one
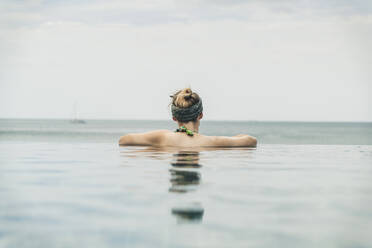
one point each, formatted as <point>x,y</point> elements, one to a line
<point>70,185</point>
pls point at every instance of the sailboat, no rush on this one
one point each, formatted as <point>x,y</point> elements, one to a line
<point>76,120</point>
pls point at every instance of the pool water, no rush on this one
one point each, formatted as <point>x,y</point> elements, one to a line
<point>89,194</point>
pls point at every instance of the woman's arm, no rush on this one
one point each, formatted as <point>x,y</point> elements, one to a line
<point>153,138</point>
<point>240,135</point>
<point>241,140</point>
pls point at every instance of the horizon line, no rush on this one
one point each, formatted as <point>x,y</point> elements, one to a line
<point>217,120</point>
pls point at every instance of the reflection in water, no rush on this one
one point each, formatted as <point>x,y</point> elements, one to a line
<point>184,179</point>
<point>186,159</point>
<point>192,213</point>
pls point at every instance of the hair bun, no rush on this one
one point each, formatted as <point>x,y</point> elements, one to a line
<point>187,94</point>
<point>187,91</point>
<point>185,98</point>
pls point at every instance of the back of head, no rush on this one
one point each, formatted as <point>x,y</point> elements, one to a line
<point>185,98</point>
<point>186,105</point>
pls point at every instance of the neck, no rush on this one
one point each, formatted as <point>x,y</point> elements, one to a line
<point>193,126</point>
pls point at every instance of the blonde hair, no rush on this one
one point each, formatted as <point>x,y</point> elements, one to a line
<point>185,98</point>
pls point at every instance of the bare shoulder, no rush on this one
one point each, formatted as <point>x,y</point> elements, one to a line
<point>158,132</point>
<point>152,138</point>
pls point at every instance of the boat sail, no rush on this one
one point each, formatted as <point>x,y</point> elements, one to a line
<point>76,120</point>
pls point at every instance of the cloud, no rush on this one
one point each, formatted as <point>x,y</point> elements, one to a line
<point>155,12</point>
<point>291,70</point>
<point>275,53</point>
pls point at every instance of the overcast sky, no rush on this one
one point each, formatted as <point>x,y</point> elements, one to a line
<point>249,60</point>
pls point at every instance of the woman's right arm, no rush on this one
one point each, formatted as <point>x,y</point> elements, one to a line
<point>153,138</point>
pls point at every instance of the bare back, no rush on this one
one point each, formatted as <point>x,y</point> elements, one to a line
<point>166,138</point>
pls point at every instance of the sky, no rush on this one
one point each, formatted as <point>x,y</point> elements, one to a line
<point>285,60</point>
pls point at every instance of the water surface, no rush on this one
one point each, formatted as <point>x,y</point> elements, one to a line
<point>85,191</point>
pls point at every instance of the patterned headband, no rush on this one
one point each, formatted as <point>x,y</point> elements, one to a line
<point>187,114</point>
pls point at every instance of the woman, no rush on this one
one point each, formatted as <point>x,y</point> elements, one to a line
<point>187,111</point>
